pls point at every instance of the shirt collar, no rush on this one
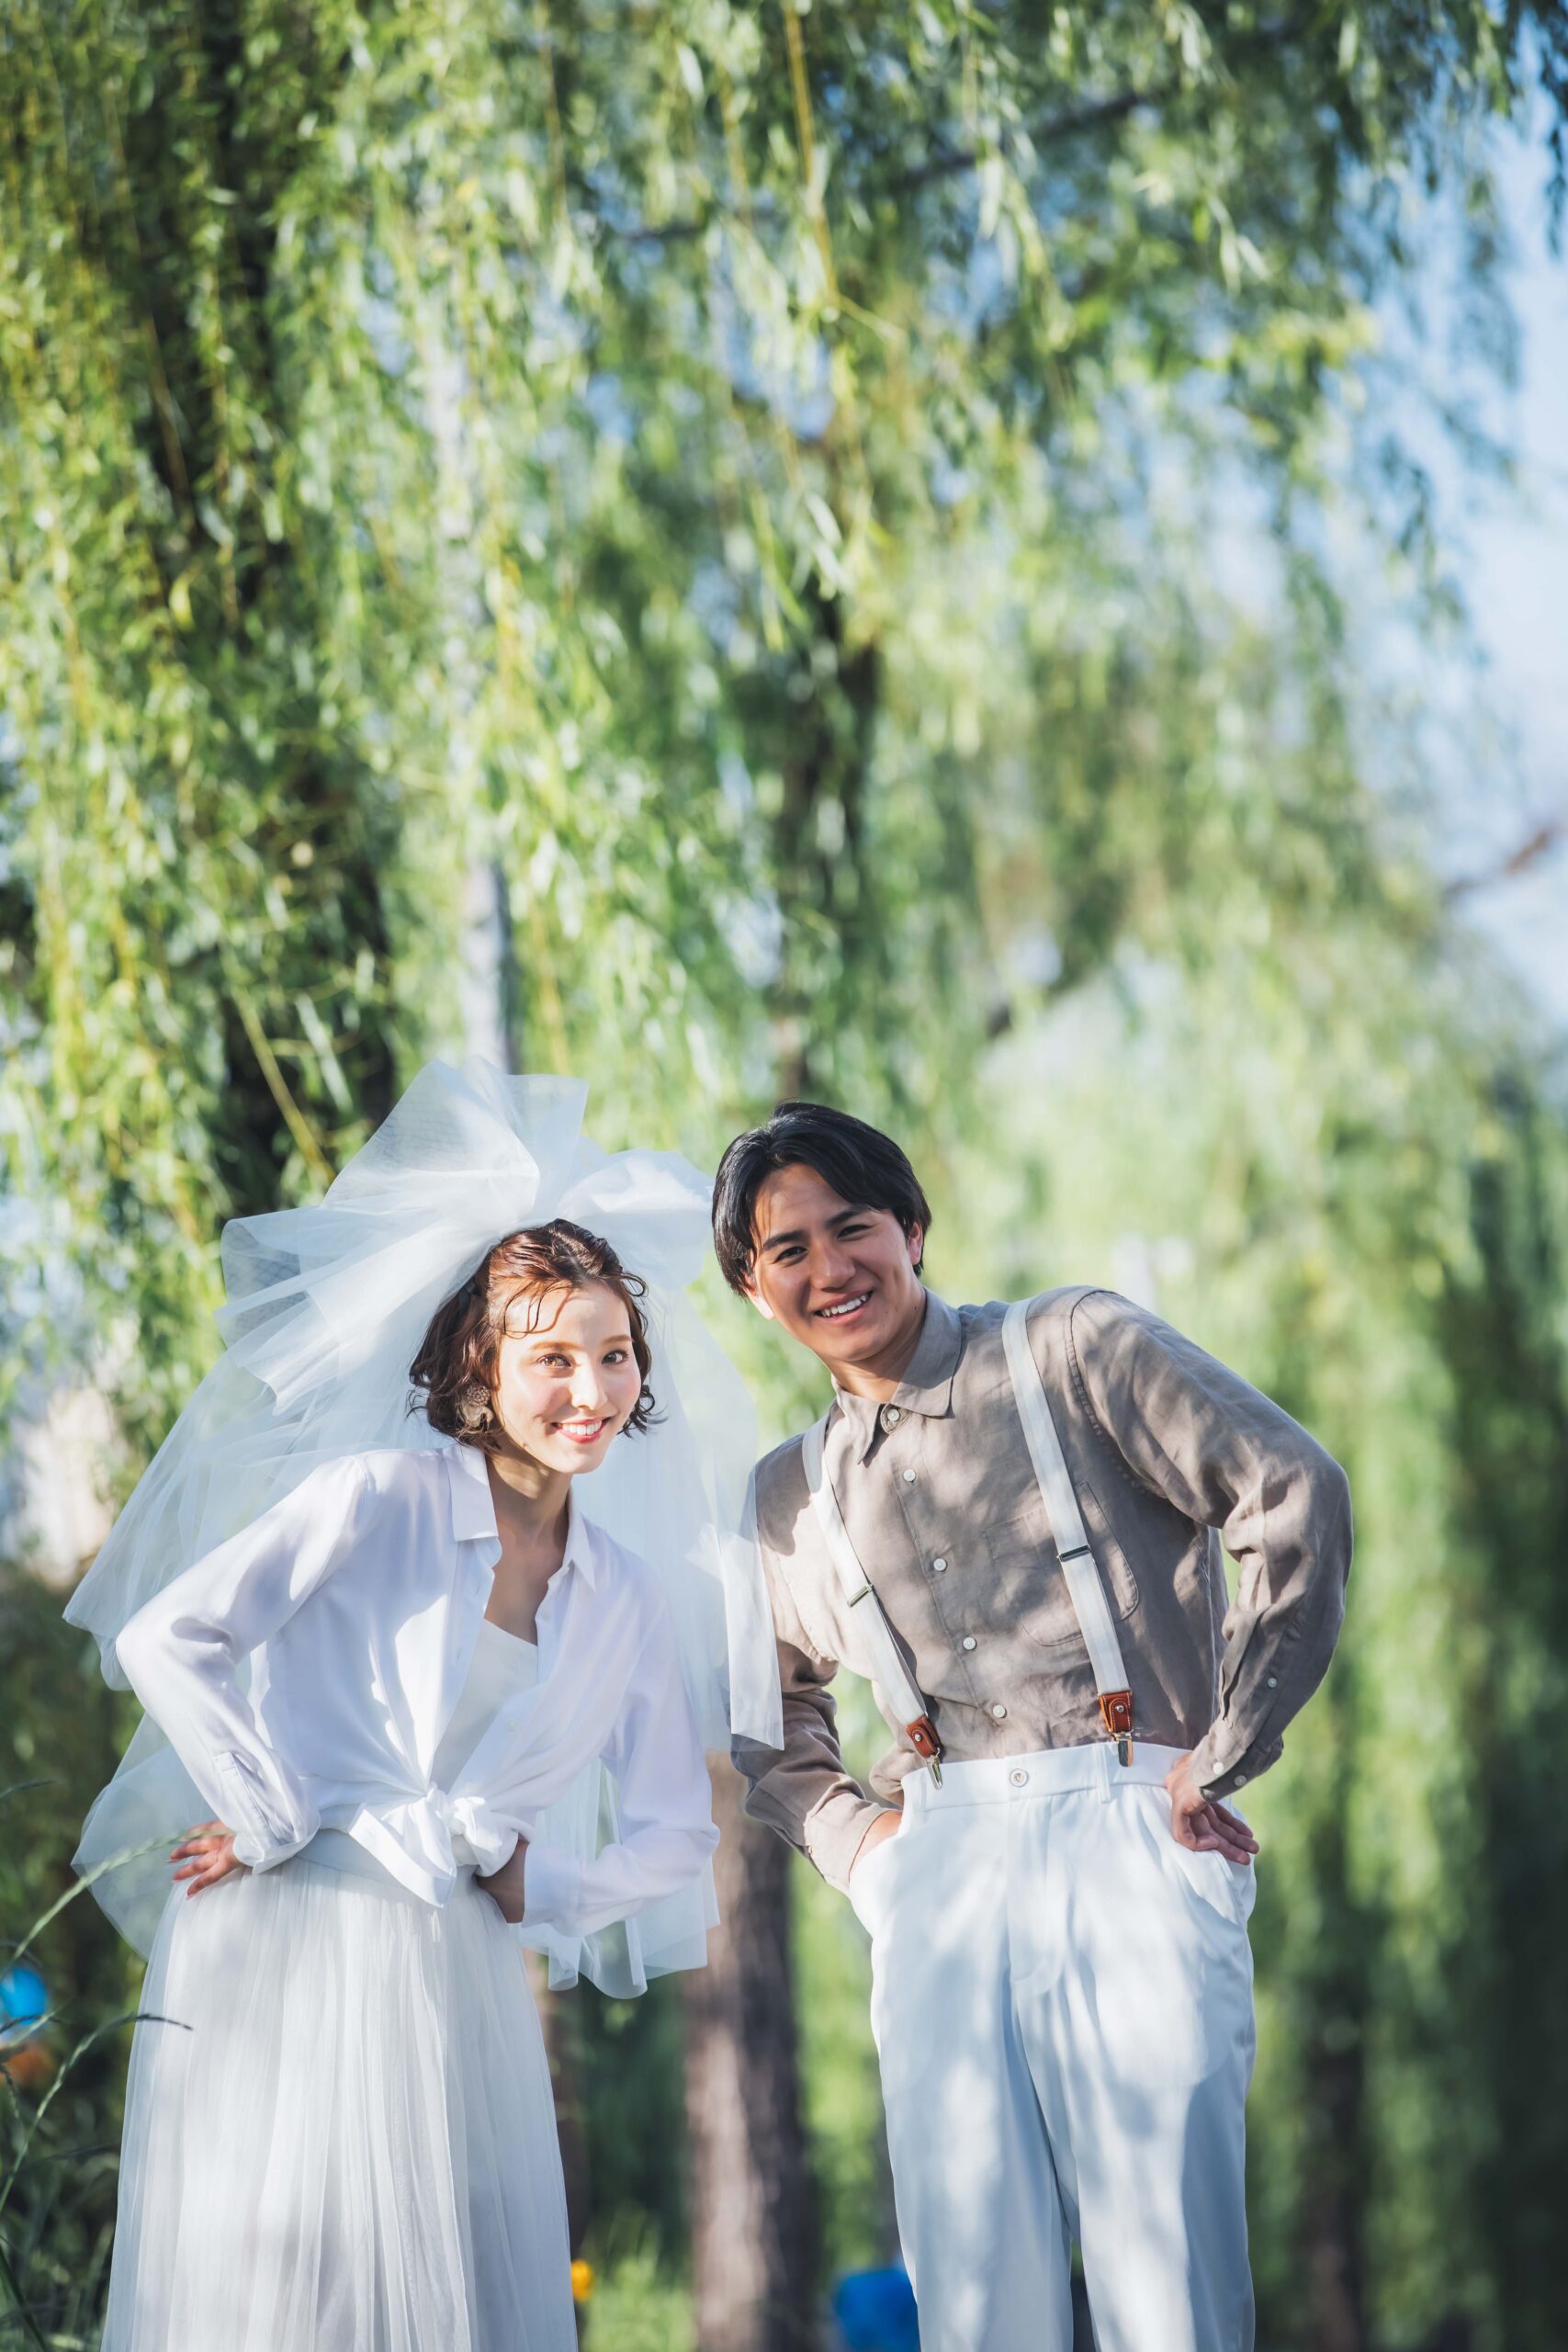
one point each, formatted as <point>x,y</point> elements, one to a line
<point>473,1511</point>
<point>927,1384</point>
<point>578,1552</point>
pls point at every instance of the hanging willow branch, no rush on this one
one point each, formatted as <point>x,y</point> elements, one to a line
<point>404,477</point>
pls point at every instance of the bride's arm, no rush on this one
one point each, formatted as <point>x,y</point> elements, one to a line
<point>182,1651</point>
<point>666,1803</point>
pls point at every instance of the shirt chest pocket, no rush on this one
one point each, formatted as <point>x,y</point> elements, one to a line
<point>1027,1590</point>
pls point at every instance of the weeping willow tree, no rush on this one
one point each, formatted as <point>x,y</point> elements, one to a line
<point>699,466</point>
<point>438,432</point>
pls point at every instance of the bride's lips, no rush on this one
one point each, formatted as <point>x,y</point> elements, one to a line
<point>584,1433</point>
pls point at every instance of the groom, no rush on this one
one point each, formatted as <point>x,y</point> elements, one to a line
<point>1011,1522</point>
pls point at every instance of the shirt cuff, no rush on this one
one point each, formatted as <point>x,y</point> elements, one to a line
<point>1219,1770</point>
<point>259,1853</point>
<point>552,1884</point>
<point>259,1842</point>
<point>834,1833</point>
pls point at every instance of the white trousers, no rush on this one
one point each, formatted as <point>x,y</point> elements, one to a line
<point>1062,2002</point>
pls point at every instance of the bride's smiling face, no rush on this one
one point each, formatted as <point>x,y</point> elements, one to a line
<point>565,1379</point>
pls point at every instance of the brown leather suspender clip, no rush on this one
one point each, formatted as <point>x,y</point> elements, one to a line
<point>1116,1712</point>
<point>924,1741</point>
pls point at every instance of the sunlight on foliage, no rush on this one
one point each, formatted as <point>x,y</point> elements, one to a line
<point>805,530</point>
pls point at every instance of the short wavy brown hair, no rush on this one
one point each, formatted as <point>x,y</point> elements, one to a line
<point>454,1374</point>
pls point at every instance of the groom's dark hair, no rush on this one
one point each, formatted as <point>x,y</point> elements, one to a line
<point>861,1164</point>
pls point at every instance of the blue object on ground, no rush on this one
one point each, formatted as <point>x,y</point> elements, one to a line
<point>875,2311</point>
<point>24,2003</point>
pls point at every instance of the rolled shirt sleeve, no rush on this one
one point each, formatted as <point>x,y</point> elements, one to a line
<point>665,1808</point>
<point>805,1791</point>
<point>1230,1459</point>
<point>182,1651</point>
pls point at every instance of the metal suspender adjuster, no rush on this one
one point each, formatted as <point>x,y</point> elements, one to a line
<point>1116,1713</point>
<point>922,1730</point>
<point>923,1739</point>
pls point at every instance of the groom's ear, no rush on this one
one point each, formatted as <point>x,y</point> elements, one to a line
<point>749,1290</point>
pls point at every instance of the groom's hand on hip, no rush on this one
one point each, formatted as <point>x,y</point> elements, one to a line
<point>1201,1824</point>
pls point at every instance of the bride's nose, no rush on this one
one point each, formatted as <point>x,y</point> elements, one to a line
<point>587,1393</point>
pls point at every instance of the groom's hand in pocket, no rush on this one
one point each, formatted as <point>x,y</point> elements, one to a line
<point>886,1825</point>
<point>1201,1824</point>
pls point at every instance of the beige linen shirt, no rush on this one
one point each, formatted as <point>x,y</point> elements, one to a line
<point>1171,1455</point>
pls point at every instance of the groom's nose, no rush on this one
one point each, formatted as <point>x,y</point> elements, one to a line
<point>832,1268</point>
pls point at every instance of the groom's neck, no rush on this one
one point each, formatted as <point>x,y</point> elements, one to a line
<point>879,1375</point>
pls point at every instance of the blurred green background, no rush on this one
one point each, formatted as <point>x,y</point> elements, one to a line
<point>912,554</point>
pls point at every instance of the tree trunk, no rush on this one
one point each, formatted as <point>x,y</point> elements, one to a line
<point>488,976</point>
<point>753,2209</point>
<point>1332,2219</point>
<point>1336,2002</point>
<point>755,2251</point>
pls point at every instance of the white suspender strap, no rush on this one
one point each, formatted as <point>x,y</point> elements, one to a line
<point>1073,1548</point>
<point>888,1662</point>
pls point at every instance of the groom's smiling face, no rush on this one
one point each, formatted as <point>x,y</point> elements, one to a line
<point>838,1276</point>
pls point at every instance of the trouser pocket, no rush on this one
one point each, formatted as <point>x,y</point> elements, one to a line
<point>872,1878</point>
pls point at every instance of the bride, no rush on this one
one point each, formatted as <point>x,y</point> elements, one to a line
<point>422,1695</point>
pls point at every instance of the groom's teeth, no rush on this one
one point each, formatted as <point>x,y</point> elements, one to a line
<point>847,1307</point>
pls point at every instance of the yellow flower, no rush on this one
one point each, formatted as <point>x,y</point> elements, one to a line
<point>581,2281</point>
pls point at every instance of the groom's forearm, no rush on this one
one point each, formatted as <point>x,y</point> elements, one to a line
<point>804,1791</point>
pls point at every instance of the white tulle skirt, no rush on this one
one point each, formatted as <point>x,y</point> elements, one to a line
<point>345,2138</point>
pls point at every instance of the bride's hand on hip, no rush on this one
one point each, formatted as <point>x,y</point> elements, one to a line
<point>504,1886</point>
<point>207,1853</point>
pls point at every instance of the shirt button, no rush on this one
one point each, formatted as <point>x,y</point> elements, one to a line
<point>1018,1780</point>
<point>1241,1779</point>
<point>891,1417</point>
<point>908,1477</point>
<point>940,1568</point>
<point>968,1640</point>
<point>998,1711</point>
<point>1273,1682</point>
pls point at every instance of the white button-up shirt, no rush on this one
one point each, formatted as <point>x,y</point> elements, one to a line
<point>358,1598</point>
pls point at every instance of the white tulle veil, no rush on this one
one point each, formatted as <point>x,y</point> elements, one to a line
<point>327,1309</point>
